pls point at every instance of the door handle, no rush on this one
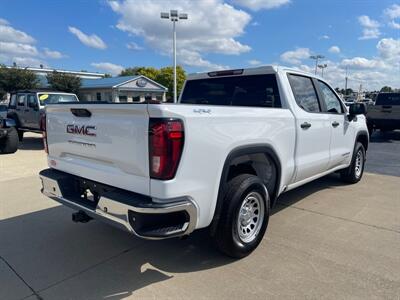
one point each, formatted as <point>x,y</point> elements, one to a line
<point>305,125</point>
<point>335,124</point>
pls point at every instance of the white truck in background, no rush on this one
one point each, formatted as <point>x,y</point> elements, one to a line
<point>219,158</point>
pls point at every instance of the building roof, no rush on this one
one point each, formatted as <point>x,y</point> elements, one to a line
<point>106,82</point>
<point>124,82</point>
<point>82,74</point>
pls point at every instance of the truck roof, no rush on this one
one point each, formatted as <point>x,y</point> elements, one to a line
<point>267,69</point>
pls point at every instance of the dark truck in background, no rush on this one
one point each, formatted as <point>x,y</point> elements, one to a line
<point>385,114</point>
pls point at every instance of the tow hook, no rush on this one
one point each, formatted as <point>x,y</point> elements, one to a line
<point>80,217</point>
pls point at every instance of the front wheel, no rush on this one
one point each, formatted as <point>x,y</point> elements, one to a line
<point>354,172</point>
<point>244,217</point>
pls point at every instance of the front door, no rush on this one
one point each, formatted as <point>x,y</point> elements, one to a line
<point>313,129</point>
<point>342,136</point>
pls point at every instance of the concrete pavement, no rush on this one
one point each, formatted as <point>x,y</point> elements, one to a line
<point>325,240</point>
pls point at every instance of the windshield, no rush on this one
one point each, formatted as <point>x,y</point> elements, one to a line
<point>45,98</point>
<point>388,99</point>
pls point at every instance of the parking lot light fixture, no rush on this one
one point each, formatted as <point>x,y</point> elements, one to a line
<point>322,67</point>
<point>316,57</point>
<point>174,16</point>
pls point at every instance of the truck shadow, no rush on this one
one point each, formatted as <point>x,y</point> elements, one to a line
<point>31,143</point>
<point>96,261</point>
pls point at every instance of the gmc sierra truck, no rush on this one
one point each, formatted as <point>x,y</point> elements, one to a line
<point>219,158</point>
<point>385,113</point>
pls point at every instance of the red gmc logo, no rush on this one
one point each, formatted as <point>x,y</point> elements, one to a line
<point>81,130</point>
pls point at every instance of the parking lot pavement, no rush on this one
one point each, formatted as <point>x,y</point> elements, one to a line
<point>325,240</point>
<point>383,157</point>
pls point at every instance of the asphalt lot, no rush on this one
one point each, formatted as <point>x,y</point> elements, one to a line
<point>325,240</point>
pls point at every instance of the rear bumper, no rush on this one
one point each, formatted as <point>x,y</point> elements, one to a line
<point>133,212</point>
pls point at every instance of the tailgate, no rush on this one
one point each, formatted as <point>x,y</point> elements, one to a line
<point>109,146</point>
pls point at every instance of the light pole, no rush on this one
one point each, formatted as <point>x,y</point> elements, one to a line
<point>316,57</point>
<point>322,67</point>
<point>174,17</point>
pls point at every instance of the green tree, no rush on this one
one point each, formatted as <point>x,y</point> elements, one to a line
<point>13,79</point>
<point>386,89</point>
<point>64,82</point>
<point>107,75</point>
<point>130,71</point>
<point>166,78</point>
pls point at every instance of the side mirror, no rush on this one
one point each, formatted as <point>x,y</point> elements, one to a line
<point>357,109</point>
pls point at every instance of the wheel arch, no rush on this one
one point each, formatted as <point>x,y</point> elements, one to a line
<point>238,157</point>
<point>363,138</point>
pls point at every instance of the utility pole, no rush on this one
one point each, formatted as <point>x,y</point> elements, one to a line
<point>345,84</point>
<point>322,67</point>
<point>174,17</point>
<point>316,57</point>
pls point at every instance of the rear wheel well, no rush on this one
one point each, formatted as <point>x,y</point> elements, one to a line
<point>260,161</point>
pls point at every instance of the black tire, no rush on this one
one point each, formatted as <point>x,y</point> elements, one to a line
<point>352,174</point>
<point>20,135</point>
<point>227,237</point>
<point>10,143</point>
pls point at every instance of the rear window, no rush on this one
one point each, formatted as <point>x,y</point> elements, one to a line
<point>388,99</point>
<point>46,98</point>
<point>251,90</point>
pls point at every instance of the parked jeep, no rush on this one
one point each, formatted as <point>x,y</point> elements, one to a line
<point>26,107</point>
<point>8,136</point>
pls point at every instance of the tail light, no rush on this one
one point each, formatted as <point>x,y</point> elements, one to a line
<point>43,128</point>
<point>166,137</point>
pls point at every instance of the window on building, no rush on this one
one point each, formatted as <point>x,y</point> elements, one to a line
<point>123,98</point>
<point>98,96</point>
<point>136,98</point>
<point>147,97</point>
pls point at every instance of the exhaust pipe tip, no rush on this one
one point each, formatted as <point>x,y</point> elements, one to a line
<point>80,217</point>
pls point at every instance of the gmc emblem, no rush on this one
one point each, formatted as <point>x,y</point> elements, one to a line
<point>81,130</point>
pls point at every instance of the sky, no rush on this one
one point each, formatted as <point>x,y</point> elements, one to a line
<point>362,36</point>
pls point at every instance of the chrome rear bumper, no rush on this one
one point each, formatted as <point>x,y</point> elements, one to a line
<point>133,212</point>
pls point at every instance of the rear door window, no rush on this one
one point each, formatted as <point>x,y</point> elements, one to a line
<point>248,90</point>
<point>304,93</point>
<point>388,99</point>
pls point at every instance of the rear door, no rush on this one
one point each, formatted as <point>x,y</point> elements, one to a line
<point>32,114</point>
<point>107,143</point>
<point>20,109</point>
<point>312,127</point>
<point>342,134</point>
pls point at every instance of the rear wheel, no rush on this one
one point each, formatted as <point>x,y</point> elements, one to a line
<point>354,172</point>
<point>10,143</point>
<point>244,216</point>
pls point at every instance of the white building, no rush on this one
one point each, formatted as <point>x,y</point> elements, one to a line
<point>122,89</point>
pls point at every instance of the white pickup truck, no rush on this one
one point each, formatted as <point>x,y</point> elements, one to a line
<point>219,158</point>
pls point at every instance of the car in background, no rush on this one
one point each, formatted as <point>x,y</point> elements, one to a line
<point>8,136</point>
<point>385,113</point>
<point>26,108</point>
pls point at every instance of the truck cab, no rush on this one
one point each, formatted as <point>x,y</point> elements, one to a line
<point>26,107</point>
